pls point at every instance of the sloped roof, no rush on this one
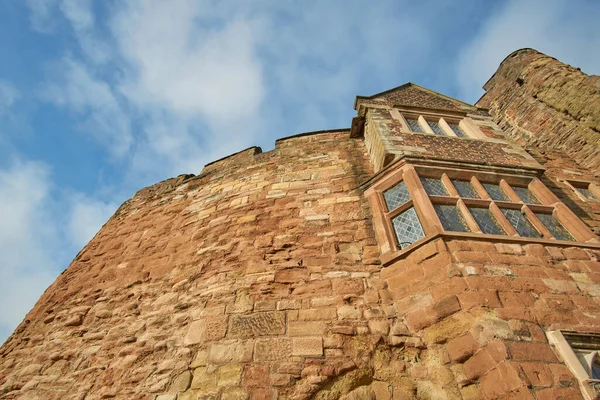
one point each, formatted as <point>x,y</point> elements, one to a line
<point>411,94</point>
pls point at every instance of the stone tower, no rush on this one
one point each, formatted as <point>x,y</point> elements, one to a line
<point>434,250</point>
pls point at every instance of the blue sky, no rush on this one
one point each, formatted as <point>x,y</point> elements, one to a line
<point>101,98</point>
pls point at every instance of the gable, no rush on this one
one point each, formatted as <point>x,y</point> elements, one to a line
<point>413,95</point>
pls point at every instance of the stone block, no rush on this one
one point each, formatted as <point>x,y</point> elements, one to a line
<point>182,382</point>
<point>263,394</point>
<point>234,394</point>
<point>479,365</point>
<point>272,349</point>
<point>206,329</point>
<point>280,379</point>
<point>575,253</point>
<point>243,303</point>
<point>479,298</point>
<point>229,375</point>
<point>379,326</point>
<point>257,324</point>
<point>188,395</point>
<point>200,359</point>
<point>558,393</point>
<point>292,275</point>
<point>399,328</point>
<point>230,351</point>
<point>264,305</point>
<point>348,312</point>
<point>307,346</point>
<point>502,379</point>
<point>447,307</point>
<point>348,286</point>
<point>382,390</point>
<point>204,381</point>
<point>304,328</point>
<point>289,305</point>
<point>470,392</point>
<point>333,341</point>
<point>561,375</point>
<point>532,352</point>
<point>592,289</point>
<point>317,314</point>
<point>312,288</point>
<point>462,348</point>
<point>166,397</point>
<point>256,375</point>
<point>538,374</point>
<point>420,319</point>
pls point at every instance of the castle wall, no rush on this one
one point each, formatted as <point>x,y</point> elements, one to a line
<point>232,279</point>
<point>263,277</point>
<point>544,103</point>
<point>481,310</point>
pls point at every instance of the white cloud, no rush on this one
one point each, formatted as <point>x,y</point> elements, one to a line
<point>27,235</point>
<point>93,100</point>
<point>189,82</point>
<point>79,13</point>
<point>8,96</point>
<point>80,16</point>
<point>86,218</point>
<point>189,70</point>
<point>42,15</point>
<point>42,228</point>
<point>564,29</point>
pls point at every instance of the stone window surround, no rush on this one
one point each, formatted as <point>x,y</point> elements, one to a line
<point>432,227</point>
<point>465,123</point>
<point>590,388</point>
<point>574,184</point>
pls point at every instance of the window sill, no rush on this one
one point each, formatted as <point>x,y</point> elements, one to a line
<point>393,256</point>
<point>478,139</point>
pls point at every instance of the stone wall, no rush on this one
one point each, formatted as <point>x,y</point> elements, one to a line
<point>228,283</point>
<point>261,278</point>
<point>544,103</point>
<point>476,314</point>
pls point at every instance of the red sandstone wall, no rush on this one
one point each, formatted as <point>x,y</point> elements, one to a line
<point>544,103</point>
<point>260,279</point>
<point>262,249</point>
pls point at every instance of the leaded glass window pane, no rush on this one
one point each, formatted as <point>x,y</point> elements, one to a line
<point>408,228</point>
<point>465,189</point>
<point>414,126</point>
<point>526,195</point>
<point>486,221</point>
<point>434,186</point>
<point>456,129</point>
<point>396,196</point>
<point>452,219</point>
<point>495,191</point>
<point>586,193</point>
<point>435,127</point>
<point>520,222</point>
<point>555,227</point>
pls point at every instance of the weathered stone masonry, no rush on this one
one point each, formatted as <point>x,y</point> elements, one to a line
<point>265,277</point>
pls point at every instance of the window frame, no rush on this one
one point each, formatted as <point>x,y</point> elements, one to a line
<point>589,386</point>
<point>465,124</point>
<point>423,203</point>
<point>575,185</point>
